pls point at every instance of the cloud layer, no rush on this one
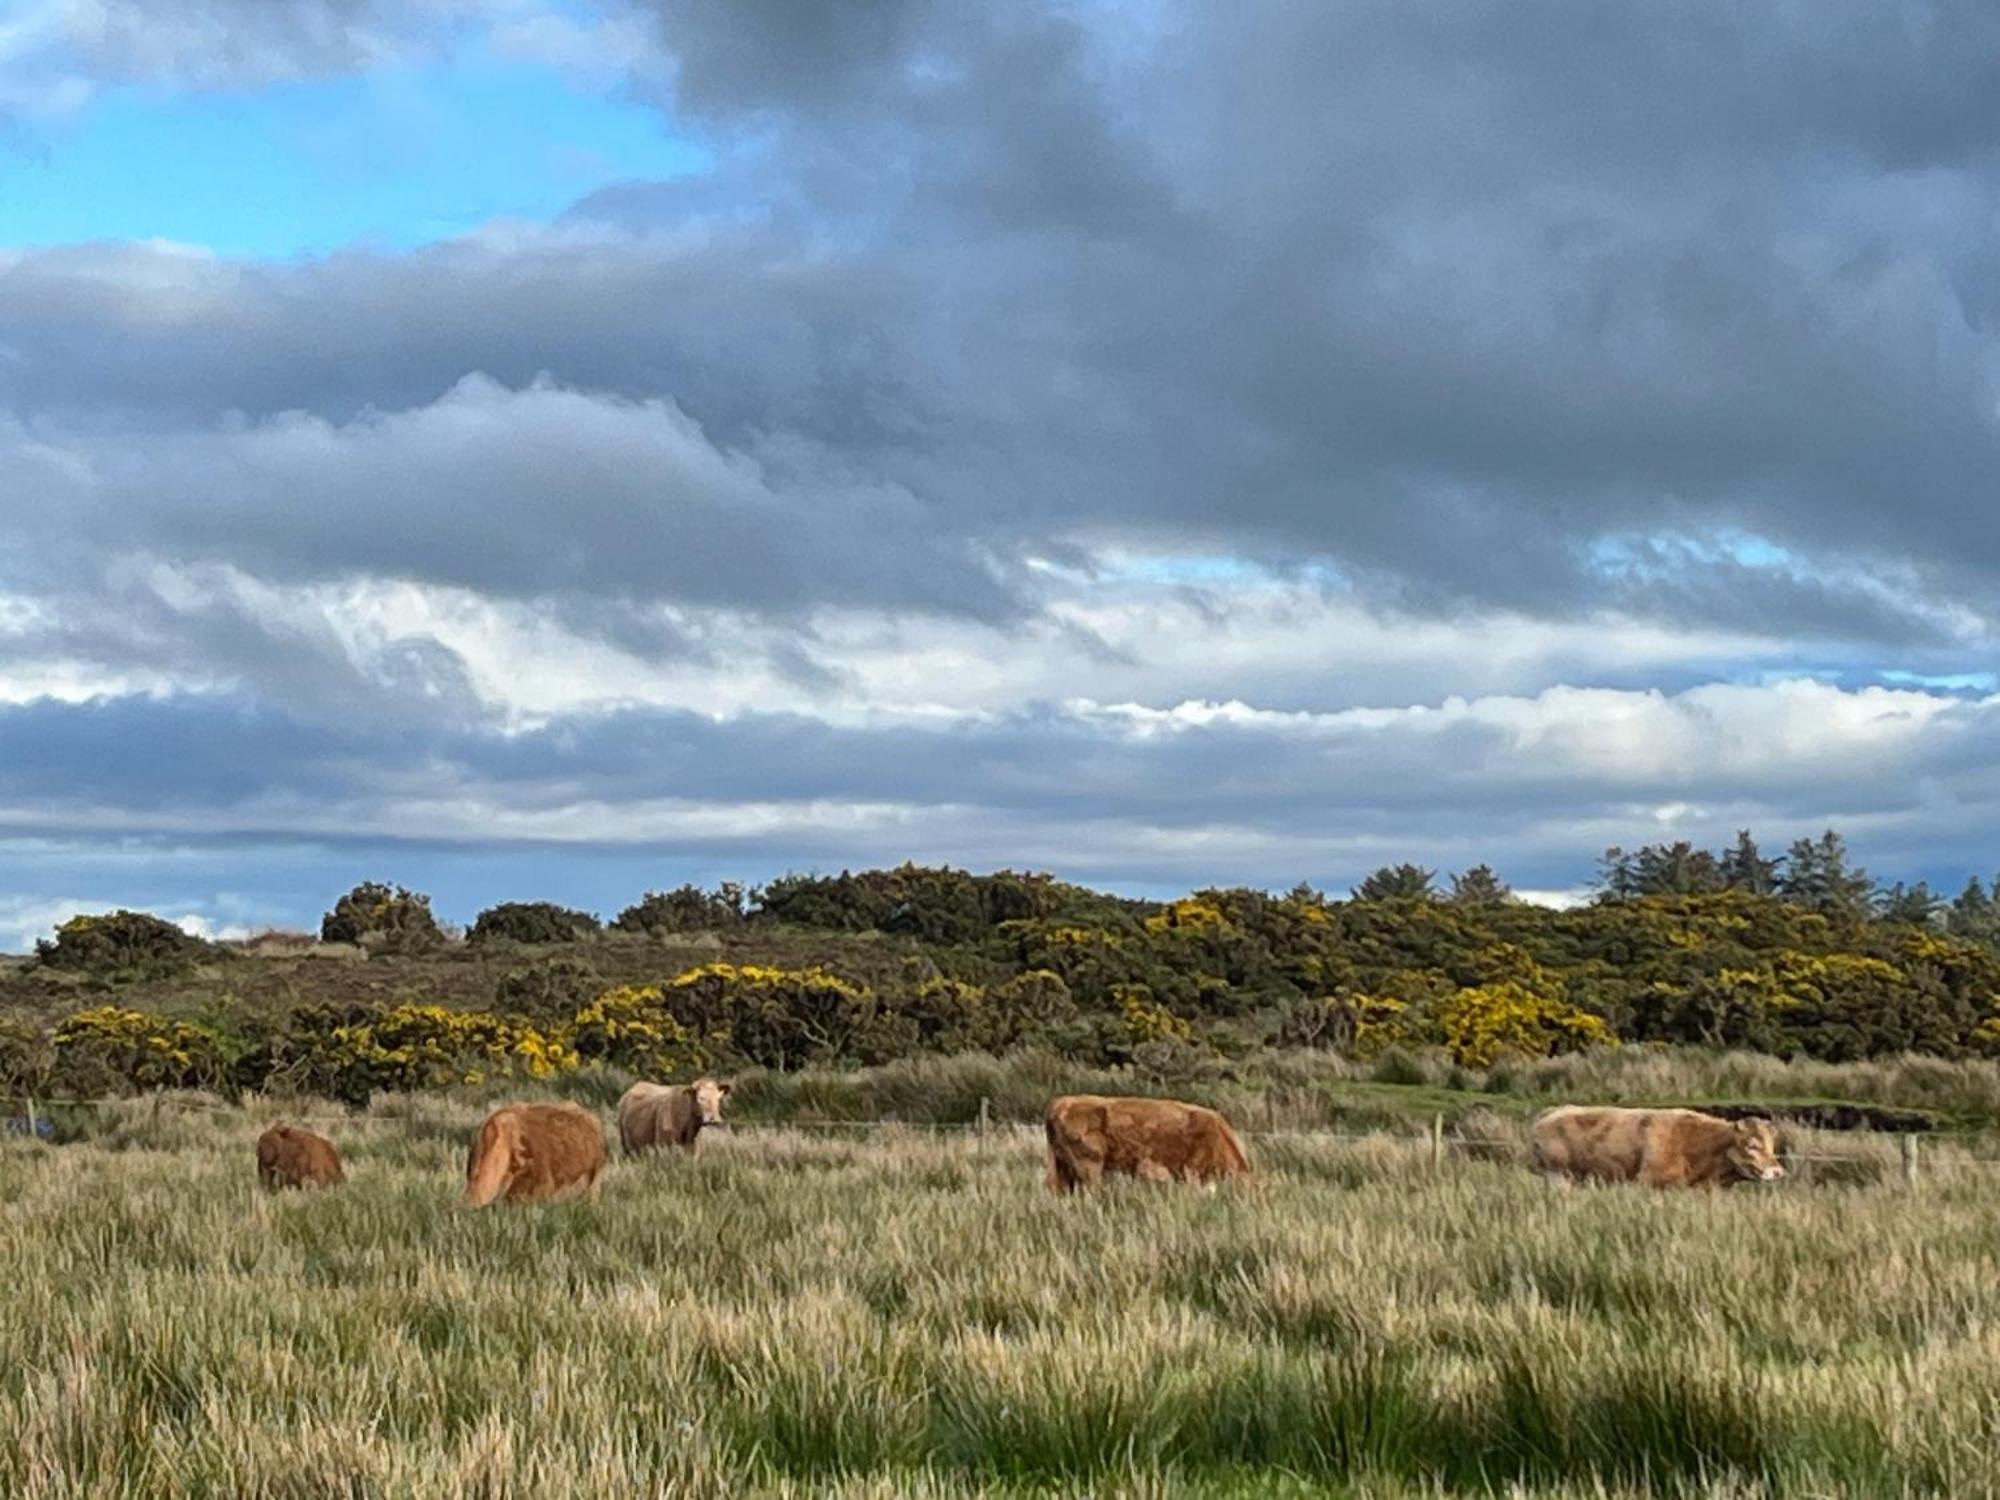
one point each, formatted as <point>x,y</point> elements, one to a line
<point>1164,442</point>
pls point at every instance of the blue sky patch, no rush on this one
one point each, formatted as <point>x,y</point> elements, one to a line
<point>393,158</point>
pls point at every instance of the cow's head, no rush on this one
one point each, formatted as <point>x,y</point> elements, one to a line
<point>1753,1155</point>
<point>708,1096</point>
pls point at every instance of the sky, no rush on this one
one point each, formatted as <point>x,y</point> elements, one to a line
<point>552,449</point>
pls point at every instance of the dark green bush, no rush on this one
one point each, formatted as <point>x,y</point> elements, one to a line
<point>123,944</point>
<point>557,987</point>
<point>533,922</point>
<point>382,918</point>
<point>688,909</point>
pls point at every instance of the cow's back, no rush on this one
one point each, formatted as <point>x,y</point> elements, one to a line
<point>288,1156</point>
<point>529,1151</point>
<point>1659,1147</point>
<point>1090,1135</point>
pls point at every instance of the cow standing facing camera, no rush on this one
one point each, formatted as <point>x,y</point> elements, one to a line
<point>652,1115</point>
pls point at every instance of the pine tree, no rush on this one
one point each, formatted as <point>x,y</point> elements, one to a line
<point>1917,905</point>
<point>1677,869</point>
<point>1479,886</point>
<point>1397,882</point>
<point>1818,876</point>
<point>1974,916</point>
<point>1744,867</point>
<point>1617,876</point>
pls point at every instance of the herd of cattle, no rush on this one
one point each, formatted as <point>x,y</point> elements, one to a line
<point>525,1152</point>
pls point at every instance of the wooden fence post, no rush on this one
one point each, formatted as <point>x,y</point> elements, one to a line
<point>1437,1142</point>
<point>985,1113</point>
<point>1910,1160</point>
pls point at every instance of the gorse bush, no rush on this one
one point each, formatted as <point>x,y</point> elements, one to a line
<point>935,905</point>
<point>127,944</point>
<point>688,909</point>
<point>384,918</point>
<point>632,1027</point>
<point>412,1047</point>
<point>553,988</point>
<point>860,967</point>
<point>110,1049</point>
<point>532,922</point>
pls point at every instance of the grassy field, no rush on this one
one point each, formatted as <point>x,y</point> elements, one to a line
<point>808,1313</point>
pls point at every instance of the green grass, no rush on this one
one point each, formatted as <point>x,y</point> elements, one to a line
<point>910,1314</point>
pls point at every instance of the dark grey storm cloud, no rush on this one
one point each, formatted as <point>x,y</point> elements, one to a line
<point>1441,295</point>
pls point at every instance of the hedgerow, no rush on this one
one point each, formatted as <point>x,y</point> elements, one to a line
<point>930,961</point>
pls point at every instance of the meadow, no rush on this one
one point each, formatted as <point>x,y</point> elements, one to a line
<point>907,1312</point>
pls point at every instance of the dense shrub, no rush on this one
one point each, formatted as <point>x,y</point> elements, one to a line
<point>122,944</point>
<point>1481,1023</point>
<point>426,1046</point>
<point>688,909</point>
<point>113,1050</point>
<point>382,918</point>
<point>554,989</point>
<point>780,1018</point>
<point>958,963</point>
<point>533,922</point>
<point>934,905</point>
<point>633,1027</point>
<point>26,1059</point>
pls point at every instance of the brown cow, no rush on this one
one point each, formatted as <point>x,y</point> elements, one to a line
<point>651,1115</point>
<point>289,1157</point>
<point>1658,1147</point>
<point>526,1152</point>
<point>1159,1140</point>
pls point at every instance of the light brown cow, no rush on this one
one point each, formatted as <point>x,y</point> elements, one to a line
<point>526,1152</point>
<point>1658,1147</point>
<point>652,1115</point>
<point>1159,1140</point>
<point>291,1157</point>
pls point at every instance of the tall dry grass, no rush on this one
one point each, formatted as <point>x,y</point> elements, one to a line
<point>806,1313</point>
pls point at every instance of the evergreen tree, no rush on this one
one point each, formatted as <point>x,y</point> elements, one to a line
<point>1617,876</point>
<point>1974,915</point>
<point>1677,869</point>
<point>1479,886</point>
<point>1744,867</point>
<point>1818,876</point>
<point>1397,882</point>
<point>1917,905</point>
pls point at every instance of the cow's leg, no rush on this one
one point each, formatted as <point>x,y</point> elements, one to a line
<point>1059,1179</point>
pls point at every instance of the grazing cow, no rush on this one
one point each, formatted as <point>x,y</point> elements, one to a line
<point>526,1152</point>
<point>1159,1140</point>
<point>288,1157</point>
<point>651,1115</point>
<point>1659,1147</point>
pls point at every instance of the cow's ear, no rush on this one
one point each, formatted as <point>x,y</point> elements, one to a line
<point>723,1088</point>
